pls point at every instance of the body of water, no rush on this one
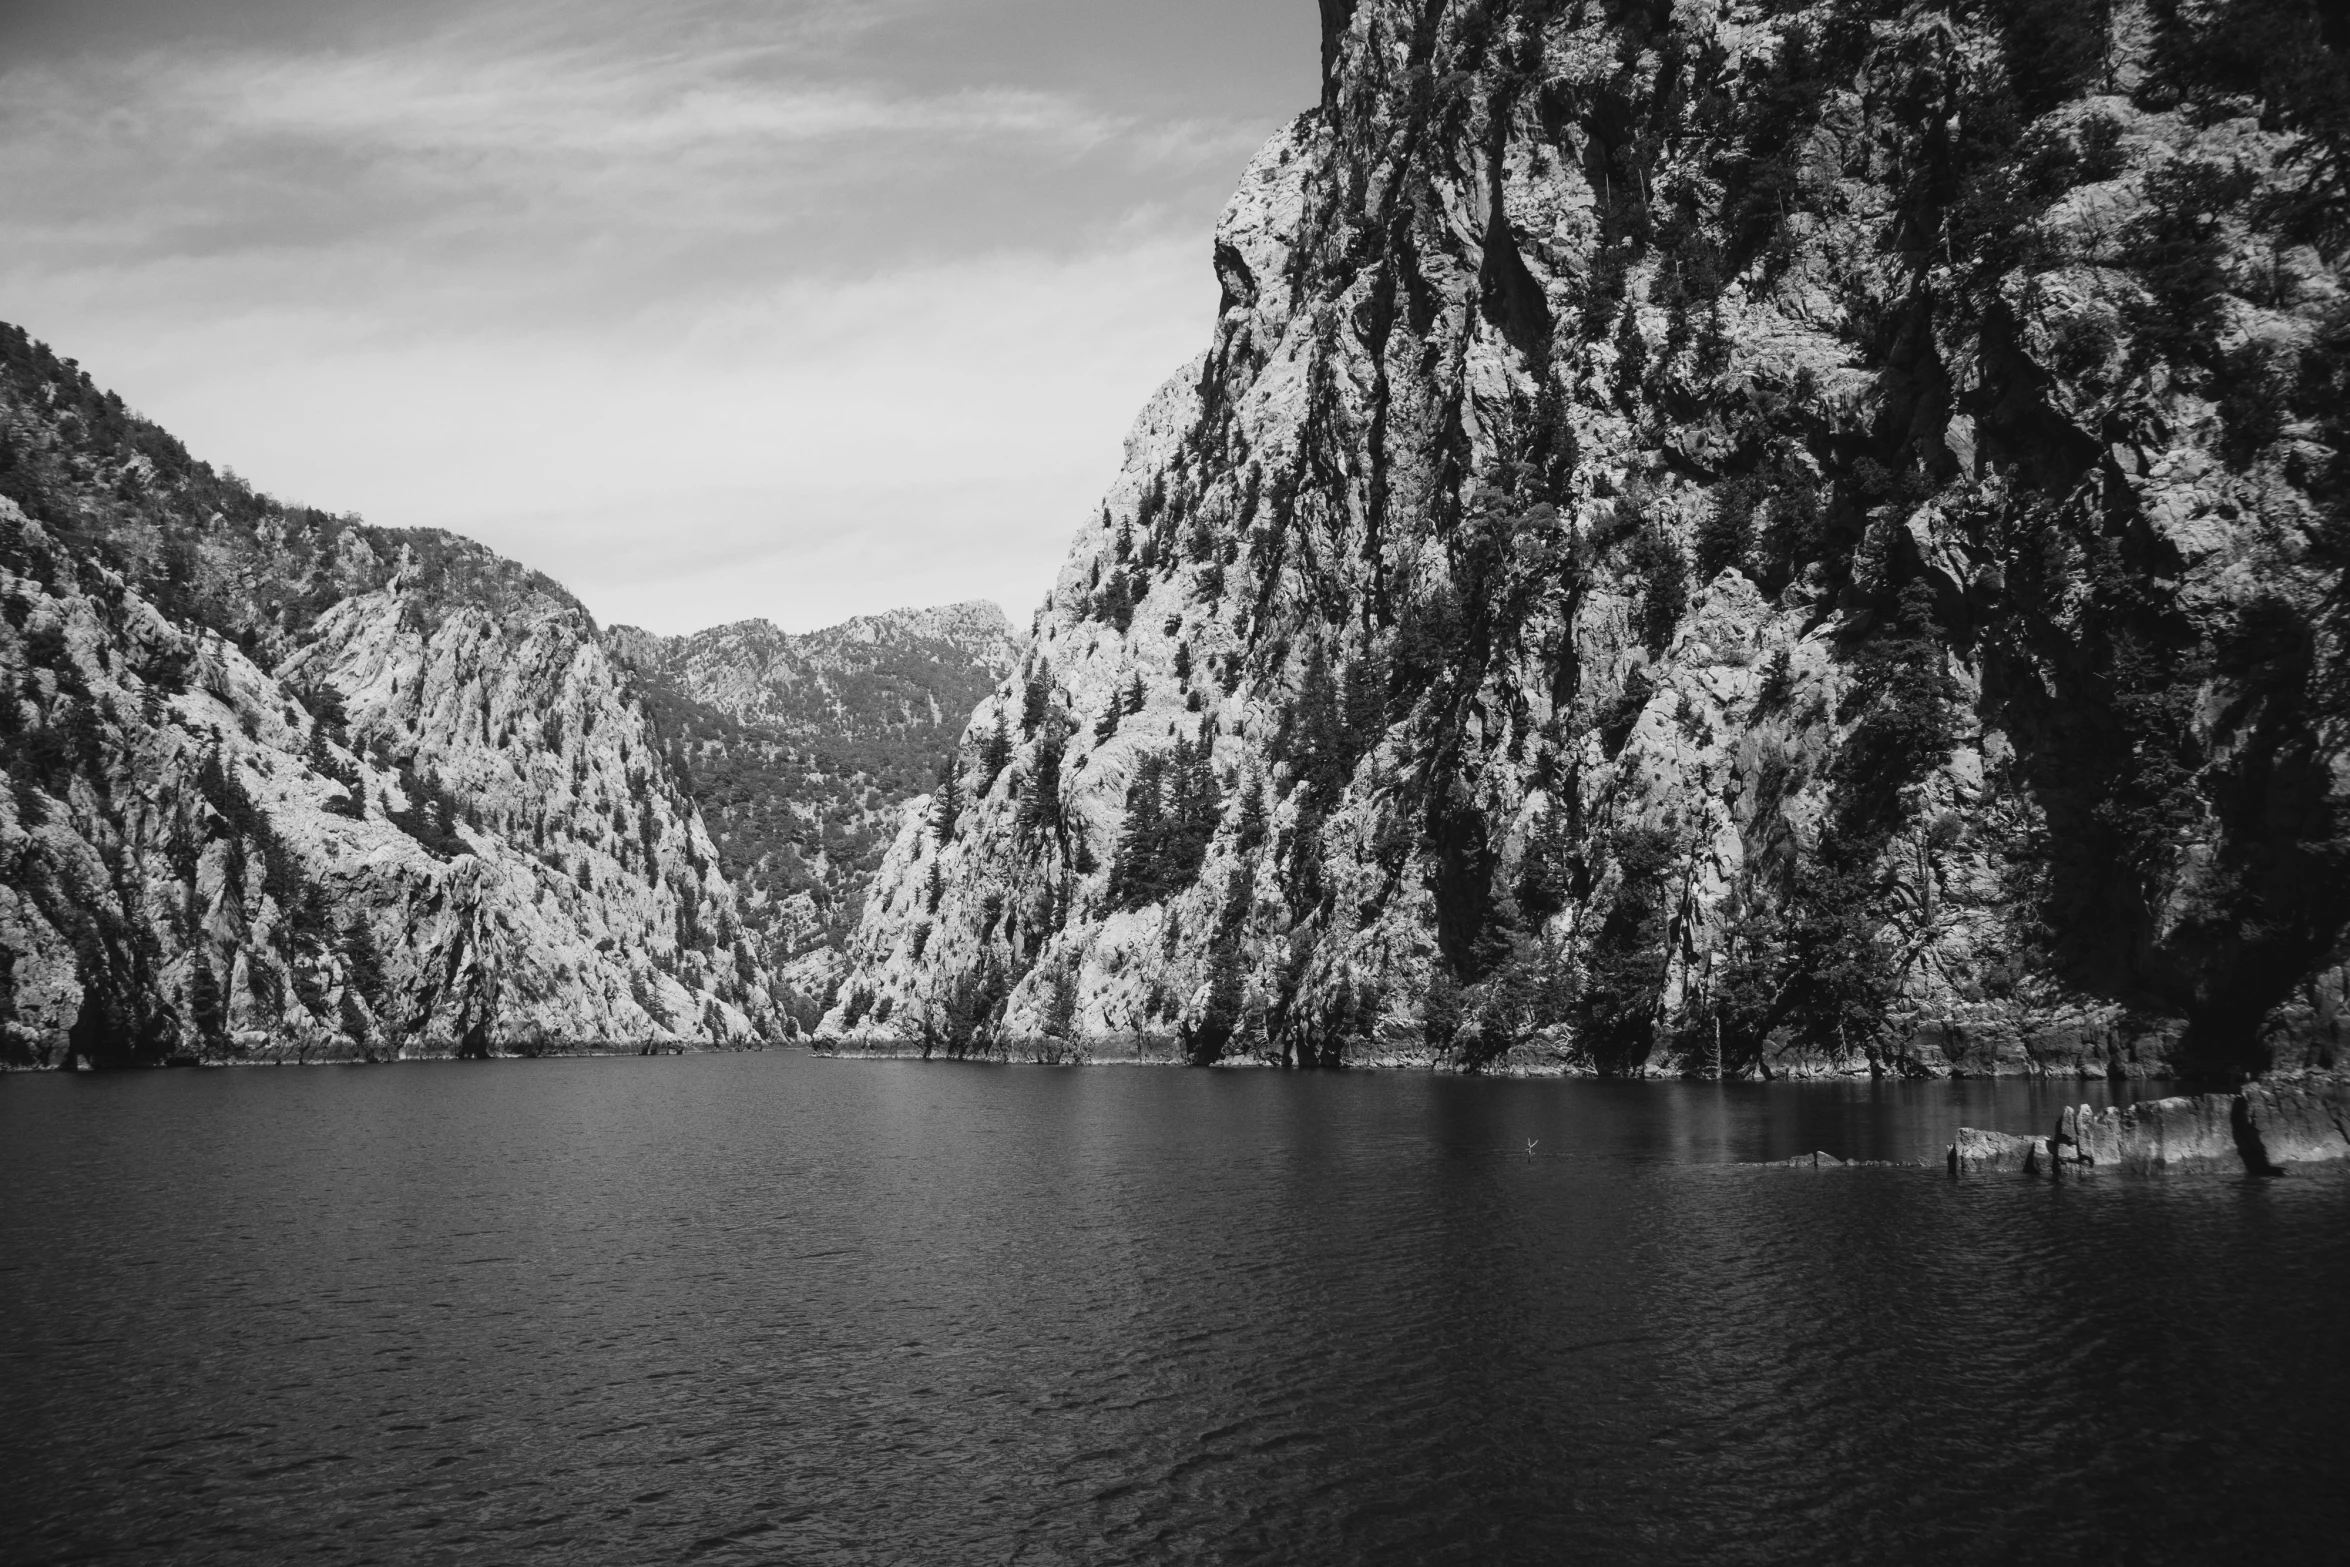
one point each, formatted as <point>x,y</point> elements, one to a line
<point>773,1308</point>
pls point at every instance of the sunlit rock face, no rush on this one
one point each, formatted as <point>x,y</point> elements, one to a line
<point>282,786</point>
<point>1708,538</point>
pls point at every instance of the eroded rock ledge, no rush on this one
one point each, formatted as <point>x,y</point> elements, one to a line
<point>2273,1124</point>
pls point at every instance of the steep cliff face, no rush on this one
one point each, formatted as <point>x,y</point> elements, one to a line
<point>1710,537</point>
<point>802,750</point>
<point>284,786</point>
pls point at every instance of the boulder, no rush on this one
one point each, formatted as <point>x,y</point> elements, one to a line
<point>1978,1150</point>
<point>2160,1134</point>
<point>2287,1122</point>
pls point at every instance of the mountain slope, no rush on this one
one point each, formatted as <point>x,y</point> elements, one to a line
<point>283,785</point>
<point>800,750</point>
<point>1714,538</point>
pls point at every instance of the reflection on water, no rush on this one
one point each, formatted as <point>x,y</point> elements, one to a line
<point>780,1309</point>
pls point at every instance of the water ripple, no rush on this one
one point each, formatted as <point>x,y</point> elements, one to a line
<point>773,1309</point>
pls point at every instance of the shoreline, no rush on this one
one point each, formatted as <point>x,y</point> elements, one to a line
<point>1526,1064</point>
<point>2273,1123</point>
<point>1129,1053</point>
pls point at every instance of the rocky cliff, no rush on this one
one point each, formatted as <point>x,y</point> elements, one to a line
<point>801,751</point>
<point>1710,537</point>
<point>283,786</point>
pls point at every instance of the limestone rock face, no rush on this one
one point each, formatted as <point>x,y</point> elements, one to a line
<point>2288,1121</point>
<point>285,786</point>
<point>906,672</point>
<point>802,750</point>
<point>1707,539</point>
<point>1980,1151</point>
<point>2164,1134</point>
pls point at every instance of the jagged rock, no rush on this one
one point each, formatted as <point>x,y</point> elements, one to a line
<point>1704,541</point>
<point>2289,1122</point>
<point>2162,1134</point>
<point>802,750</point>
<point>1977,1151</point>
<point>2291,1118</point>
<point>284,786</point>
<point>905,673</point>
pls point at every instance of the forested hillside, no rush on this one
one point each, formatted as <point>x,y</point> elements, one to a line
<point>285,786</point>
<point>801,750</point>
<point>1749,538</point>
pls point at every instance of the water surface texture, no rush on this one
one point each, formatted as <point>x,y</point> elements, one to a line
<point>779,1309</point>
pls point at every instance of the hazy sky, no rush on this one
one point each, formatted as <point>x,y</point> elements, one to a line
<point>710,308</point>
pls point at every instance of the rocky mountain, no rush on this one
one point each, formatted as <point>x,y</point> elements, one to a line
<point>801,750</point>
<point>284,786</point>
<point>1728,538</point>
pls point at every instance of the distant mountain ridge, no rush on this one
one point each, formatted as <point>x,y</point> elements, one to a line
<point>284,786</point>
<point>865,676</point>
<point>801,748</point>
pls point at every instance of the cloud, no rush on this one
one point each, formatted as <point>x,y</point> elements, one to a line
<point>251,151</point>
<point>708,311</point>
<point>804,453</point>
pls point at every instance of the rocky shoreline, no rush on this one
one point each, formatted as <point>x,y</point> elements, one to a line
<point>2270,1126</point>
<point>1537,1060</point>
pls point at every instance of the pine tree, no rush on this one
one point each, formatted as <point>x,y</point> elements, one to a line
<point>204,1000</point>
<point>1546,873</point>
<point>1907,705</point>
<point>1365,706</point>
<point>1631,354</point>
<point>1313,734</point>
<point>1040,808</point>
<point>1035,696</point>
<point>1134,693</point>
<point>995,755</point>
<point>1107,725</point>
<point>1726,536</point>
<point>1220,1017</point>
<point>1551,449</point>
<point>1664,587</point>
<point>1253,823</point>
<point>947,809</point>
<point>1133,867</point>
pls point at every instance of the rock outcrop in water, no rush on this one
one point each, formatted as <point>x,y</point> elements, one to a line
<point>283,786</point>
<point>1710,537</point>
<point>2292,1119</point>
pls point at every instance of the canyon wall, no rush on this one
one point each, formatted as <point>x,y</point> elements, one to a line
<point>1711,538</point>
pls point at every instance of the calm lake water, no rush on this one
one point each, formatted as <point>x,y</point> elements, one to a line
<point>779,1309</point>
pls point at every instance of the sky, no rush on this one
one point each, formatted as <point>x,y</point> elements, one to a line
<point>711,309</point>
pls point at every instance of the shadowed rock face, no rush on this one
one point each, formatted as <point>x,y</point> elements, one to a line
<point>282,786</point>
<point>2286,1123</point>
<point>1703,541</point>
